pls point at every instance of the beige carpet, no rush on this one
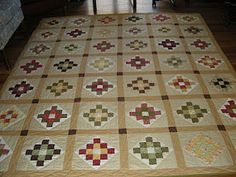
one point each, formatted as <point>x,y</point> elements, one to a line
<point>119,95</point>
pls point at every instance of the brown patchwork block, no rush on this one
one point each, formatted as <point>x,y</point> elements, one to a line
<point>52,56</point>
<point>154,52</point>
<point>172,129</point>
<point>121,99</point>
<point>122,131</point>
<point>24,132</point>
<point>187,52</point>
<point>158,72</point>
<point>35,101</point>
<point>81,74</point>
<point>207,96</point>
<point>221,127</point>
<point>119,73</point>
<point>72,132</point>
<point>165,97</point>
<point>196,72</point>
<point>77,100</point>
<point>44,76</point>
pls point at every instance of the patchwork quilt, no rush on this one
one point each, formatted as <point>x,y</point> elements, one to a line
<point>119,95</point>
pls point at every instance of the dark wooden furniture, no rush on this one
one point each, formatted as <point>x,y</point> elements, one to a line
<point>230,11</point>
<point>37,7</point>
<point>134,5</point>
<point>5,60</point>
<point>172,2</point>
<point>11,17</point>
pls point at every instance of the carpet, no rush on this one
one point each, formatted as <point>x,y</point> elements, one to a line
<point>119,95</point>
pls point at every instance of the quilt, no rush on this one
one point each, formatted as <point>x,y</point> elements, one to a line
<point>119,95</point>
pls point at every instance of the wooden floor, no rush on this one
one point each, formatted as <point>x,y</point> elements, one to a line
<point>211,11</point>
